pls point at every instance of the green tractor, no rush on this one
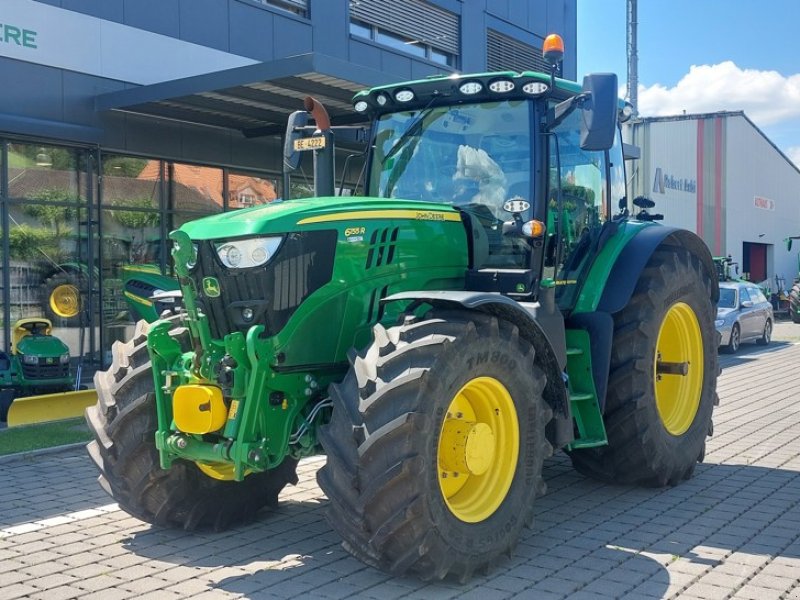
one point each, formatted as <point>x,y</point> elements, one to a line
<point>38,363</point>
<point>437,338</point>
<point>794,293</point>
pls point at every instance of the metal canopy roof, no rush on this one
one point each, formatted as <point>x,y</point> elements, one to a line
<point>255,100</point>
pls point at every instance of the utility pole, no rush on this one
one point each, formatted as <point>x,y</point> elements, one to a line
<point>633,58</point>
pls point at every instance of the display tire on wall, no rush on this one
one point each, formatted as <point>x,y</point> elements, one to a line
<point>732,347</point>
<point>64,297</point>
<point>794,303</point>
<point>124,424</point>
<point>657,419</point>
<point>435,446</point>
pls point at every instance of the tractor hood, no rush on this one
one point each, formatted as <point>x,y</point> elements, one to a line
<point>314,213</point>
<point>42,346</point>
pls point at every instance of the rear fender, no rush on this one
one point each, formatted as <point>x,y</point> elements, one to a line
<point>630,263</point>
<point>540,323</point>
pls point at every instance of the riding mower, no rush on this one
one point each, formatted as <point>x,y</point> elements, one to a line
<point>38,363</point>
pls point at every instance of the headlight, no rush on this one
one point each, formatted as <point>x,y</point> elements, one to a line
<point>719,322</point>
<point>244,254</point>
<point>30,360</point>
<point>64,359</point>
<point>192,262</point>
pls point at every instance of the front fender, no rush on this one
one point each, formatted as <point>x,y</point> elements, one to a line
<point>542,324</point>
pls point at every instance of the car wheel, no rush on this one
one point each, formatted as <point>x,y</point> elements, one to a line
<point>766,337</point>
<point>735,341</point>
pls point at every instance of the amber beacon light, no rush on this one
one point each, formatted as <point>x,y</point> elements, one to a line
<point>553,49</point>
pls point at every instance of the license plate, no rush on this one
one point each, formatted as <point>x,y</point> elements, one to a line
<point>311,143</point>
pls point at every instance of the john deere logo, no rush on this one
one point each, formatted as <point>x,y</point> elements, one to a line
<point>211,287</point>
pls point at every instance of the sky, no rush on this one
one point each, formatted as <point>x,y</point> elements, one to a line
<point>704,56</point>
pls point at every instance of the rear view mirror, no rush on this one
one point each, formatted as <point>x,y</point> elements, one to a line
<point>291,158</point>
<point>599,110</point>
<point>747,304</point>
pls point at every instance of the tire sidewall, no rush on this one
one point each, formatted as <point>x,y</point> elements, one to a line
<point>461,362</point>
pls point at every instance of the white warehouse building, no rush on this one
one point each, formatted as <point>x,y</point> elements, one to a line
<point>720,176</point>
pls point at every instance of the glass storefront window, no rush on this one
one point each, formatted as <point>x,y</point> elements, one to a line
<point>194,188</point>
<point>245,190</point>
<point>46,173</point>
<point>132,182</point>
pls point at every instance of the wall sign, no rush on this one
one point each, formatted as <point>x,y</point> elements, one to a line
<point>763,203</point>
<point>46,35</point>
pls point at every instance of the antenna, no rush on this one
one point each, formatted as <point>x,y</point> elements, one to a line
<point>633,57</point>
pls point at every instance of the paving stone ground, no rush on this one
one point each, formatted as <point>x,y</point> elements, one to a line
<point>733,531</point>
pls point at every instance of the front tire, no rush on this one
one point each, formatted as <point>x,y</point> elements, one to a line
<point>662,383</point>
<point>124,425</point>
<point>436,444</point>
<point>735,341</point>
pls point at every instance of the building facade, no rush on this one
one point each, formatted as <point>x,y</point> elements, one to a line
<point>720,176</point>
<point>122,119</point>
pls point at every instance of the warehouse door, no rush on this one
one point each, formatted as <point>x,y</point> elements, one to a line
<point>755,261</point>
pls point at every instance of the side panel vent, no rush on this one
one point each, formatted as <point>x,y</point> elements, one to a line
<point>382,247</point>
<point>376,309</point>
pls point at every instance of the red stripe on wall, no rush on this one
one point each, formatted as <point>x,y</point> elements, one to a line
<point>718,186</point>
<point>700,131</point>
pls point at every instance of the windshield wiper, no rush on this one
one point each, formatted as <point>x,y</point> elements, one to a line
<point>412,131</point>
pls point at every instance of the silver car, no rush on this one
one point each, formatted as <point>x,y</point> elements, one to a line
<point>743,314</point>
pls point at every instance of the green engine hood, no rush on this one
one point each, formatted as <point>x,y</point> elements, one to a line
<point>42,345</point>
<point>280,217</point>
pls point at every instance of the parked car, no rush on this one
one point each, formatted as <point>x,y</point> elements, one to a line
<point>743,314</point>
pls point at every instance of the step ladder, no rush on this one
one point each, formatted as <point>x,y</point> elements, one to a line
<point>589,429</point>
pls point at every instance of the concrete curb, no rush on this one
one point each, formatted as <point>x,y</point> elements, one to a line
<point>41,451</point>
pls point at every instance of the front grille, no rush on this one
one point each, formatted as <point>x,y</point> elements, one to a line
<point>303,264</point>
<point>45,371</point>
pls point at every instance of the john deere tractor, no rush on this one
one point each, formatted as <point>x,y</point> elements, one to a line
<point>489,300</point>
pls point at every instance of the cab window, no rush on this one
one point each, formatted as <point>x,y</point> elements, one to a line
<point>581,176</point>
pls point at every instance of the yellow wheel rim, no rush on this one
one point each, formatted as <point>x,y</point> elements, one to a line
<point>478,449</point>
<point>678,368</point>
<point>221,471</point>
<point>65,300</point>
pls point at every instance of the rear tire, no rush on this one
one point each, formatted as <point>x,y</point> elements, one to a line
<point>794,303</point>
<point>124,425</point>
<point>766,336</point>
<point>656,434</point>
<point>403,412</point>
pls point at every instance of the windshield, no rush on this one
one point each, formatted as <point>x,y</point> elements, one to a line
<point>727,298</point>
<point>473,156</point>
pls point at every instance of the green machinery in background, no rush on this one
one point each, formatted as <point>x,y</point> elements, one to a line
<point>37,364</point>
<point>794,293</point>
<point>490,299</point>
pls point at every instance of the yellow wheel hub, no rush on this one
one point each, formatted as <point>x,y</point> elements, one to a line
<point>678,368</point>
<point>478,449</point>
<point>221,471</point>
<point>65,300</point>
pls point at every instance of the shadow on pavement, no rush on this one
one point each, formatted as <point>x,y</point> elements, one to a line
<point>750,352</point>
<point>588,536</point>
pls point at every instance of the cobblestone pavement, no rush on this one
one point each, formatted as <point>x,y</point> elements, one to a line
<point>733,531</point>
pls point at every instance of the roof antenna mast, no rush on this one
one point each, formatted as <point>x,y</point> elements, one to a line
<point>633,57</point>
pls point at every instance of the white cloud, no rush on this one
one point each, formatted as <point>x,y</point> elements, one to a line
<point>793,152</point>
<point>767,97</point>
